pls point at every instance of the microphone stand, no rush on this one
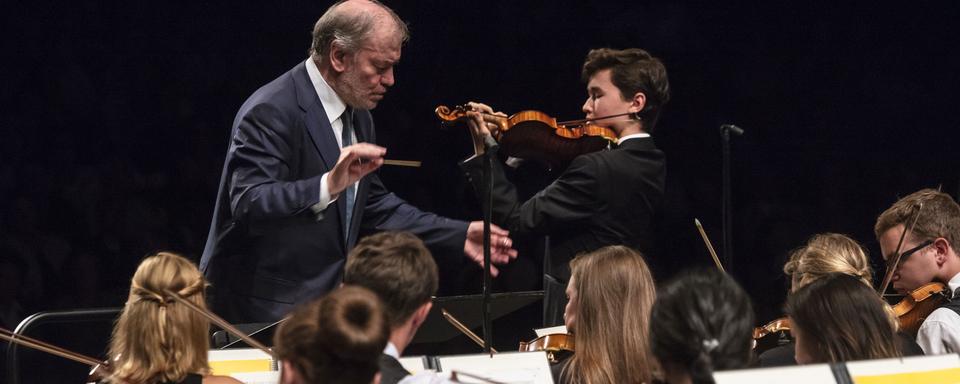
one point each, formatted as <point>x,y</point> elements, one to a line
<point>727,208</point>
<point>487,278</point>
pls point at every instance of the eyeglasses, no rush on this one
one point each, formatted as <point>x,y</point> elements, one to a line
<point>906,254</point>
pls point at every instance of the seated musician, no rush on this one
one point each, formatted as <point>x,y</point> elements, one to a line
<point>157,340</point>
<point>837,318</point>
<point>603,198</point>
<point>702,322</point>
<point>399,269</point>
<point>336,339</point>
<point>610,295</point>
<point>929,254</point>
<point>822,255</point>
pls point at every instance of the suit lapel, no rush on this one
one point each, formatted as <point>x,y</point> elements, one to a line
<point>318,128</point>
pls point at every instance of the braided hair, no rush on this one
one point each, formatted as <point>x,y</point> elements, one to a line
<point>702,322</point>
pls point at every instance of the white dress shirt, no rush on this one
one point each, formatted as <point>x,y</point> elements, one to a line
<point>422,377</point>
<point>940,332</point>
<point>633,136</point>
<point>334,106</point>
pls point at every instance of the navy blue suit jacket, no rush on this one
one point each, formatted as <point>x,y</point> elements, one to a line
<point>267,250</point>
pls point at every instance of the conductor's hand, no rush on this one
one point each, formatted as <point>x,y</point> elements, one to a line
<point>501,246</point>
<point>355,162</point>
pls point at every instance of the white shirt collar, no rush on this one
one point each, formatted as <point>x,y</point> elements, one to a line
<point>954,283</point>
<point>391,350</point>
<point>332,104</point>
<point>633,136</point>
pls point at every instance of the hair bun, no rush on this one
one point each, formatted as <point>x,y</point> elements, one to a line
<point>353,324</point>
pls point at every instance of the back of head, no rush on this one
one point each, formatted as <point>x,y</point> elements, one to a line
<point>841,319</point>
<point>702,322</point>
<point>633,71</point>
<point>156,338</point>
<point>350,23</point>
<point>940,216</point>
<point>827,253</point>
<point>615,292</point>
<point>336,339</point>
<point>398,268</point>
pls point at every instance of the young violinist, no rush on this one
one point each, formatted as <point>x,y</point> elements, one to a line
<point>702,322</point>
<point>837,318</point>
<point>603,198</point>
<point>928,254</point>
<point>611,293</point>
<point>822,255</point>
<point>336,339</point>
<point>156,339</point>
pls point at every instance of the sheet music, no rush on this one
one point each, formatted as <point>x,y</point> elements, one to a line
<point>414,364</point>
<point>272,377</point>
<point>806,374</point>
<point>551,330</point>
<point>509,367</point>
<point>916,369</point>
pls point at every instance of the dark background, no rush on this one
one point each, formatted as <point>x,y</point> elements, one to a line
<point>115,119</point>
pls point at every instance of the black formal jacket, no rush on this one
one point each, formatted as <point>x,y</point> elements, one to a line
<point>391,371</point>
<point>603,198</point>
<point>266,249</point>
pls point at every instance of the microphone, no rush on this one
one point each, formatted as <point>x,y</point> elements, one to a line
<point>737,131</point>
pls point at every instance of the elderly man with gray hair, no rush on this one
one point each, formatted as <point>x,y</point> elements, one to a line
<point>297,183</point>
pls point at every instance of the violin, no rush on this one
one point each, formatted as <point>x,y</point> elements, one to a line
<point>537,136</point>
<point>777,325</point>
<point>914,308</point>
<point>554,344</point>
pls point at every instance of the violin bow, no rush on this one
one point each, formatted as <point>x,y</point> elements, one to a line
<point>220,322</point>
<point>32,343</point>
<point>889,272</point>
<point>463,329</point>
<point>706,241</point>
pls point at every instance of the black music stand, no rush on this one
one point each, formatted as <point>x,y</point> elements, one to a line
<point>469,310</point>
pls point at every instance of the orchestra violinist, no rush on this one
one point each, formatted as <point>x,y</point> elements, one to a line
<point>919,237</point>
<point>581,211</point>
<point>156,339</point>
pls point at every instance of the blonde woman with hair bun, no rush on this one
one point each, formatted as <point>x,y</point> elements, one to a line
<point>827,254</point>
<point>157,340</point>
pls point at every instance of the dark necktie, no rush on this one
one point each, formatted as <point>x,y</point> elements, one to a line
<point>347,140</point>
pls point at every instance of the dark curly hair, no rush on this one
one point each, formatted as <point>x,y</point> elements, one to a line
<point>633,71</point>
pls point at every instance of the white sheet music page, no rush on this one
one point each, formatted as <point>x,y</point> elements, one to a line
<point>509,367</point>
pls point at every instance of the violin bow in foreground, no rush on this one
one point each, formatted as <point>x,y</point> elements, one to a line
<point>222,323</point>
<point>55,350</point>
<point>896,254</point>
<point>463,329</point>
<point>706,241</point>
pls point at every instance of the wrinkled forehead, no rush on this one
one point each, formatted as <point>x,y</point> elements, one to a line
<point>384,44</point>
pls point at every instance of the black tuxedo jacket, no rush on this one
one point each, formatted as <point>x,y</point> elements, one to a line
<point>603,198</point>
<point>267,250</point>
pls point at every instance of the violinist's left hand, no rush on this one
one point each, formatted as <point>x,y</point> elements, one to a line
<point>481,128</point>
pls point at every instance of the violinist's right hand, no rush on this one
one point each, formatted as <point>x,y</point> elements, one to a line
<point>481,126</point>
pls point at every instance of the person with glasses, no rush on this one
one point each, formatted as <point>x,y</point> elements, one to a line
<point>825,254</point>
<point>928,253</point>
